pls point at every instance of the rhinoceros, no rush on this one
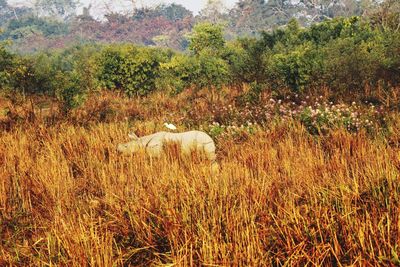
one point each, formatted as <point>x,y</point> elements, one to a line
<point>189,141</point>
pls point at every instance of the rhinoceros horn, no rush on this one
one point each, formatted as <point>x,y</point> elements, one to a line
<point>133,136</point>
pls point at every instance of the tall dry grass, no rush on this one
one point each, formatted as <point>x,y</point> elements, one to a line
<point>282,197</point>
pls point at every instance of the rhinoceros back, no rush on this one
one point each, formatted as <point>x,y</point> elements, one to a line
<point>193,140</point>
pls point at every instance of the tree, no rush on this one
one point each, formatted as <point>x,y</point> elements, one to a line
<point>59,9</point>
<point>207,36</point>
<point>8,12</point>
<point>214,11</point>
<point>29,26</point>
<point>388,16</point>
<point>247,17</point>
<point>128,68</point>
<point>173,12</point>
<point>6,63</point>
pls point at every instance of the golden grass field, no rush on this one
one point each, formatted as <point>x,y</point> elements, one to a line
<point>282,197</point>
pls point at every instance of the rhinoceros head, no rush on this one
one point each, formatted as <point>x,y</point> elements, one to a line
<point>130,147</point>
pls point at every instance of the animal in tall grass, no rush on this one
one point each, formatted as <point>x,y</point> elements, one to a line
<point>189,141</point>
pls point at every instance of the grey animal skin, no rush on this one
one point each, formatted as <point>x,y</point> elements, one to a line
<point>153,144</point>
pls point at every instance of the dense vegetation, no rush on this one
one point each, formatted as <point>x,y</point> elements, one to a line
<point>55,24</point>
<point>305,116</point>
<point>347,58</point>
<point>282,197</point>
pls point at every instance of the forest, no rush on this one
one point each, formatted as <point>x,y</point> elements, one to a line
<point>302,99</point>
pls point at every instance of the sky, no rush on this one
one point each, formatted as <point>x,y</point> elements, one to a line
<point>193,5</point>
<point>101,6</point>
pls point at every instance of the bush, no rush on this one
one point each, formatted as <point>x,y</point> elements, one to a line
<point>6,63</point>
<point>245,59</point>
<point>296,69</point>
<point>207,36</point>
<point>210,71</point>
<point>200,71</point>
<point>25,26</point>
<point>131,69</point>
<point>351,66</point>
<point>66,75</point>
<point>176,74</point>
<point>72,95</point>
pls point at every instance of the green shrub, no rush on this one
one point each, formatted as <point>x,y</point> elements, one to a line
<point>351,66</point>
<point>176,74</point>
<point>296,69</point>
<point>210,71</point>
<point>201,71</point>
<point>245,60</point>
<point>25,26</point>
<point>71,95</point>
<point>131,69</point>
<point>6,64</point>
<point>207,36</point>
<point>67,75</point>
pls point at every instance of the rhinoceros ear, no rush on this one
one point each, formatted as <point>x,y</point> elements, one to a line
<point>133,136</point>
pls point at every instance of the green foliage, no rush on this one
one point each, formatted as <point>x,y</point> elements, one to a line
<point>22,28</point>
<point>172,12</point>
<point>351,66</point>
<point>201,71</point>
<point>23,78</point>
<point>389,68</point>
<point>344,54</point>
<point>209,68</point>
<point>75,75</point>
<point>295,69</point>
<point>66,75</point>
<point>6,63</point>
<point>11,12</point>
<point>207,37</point>
<point>210,71</point>
<point>131,69</point>
<point>320,119</point>
<point>245,59</point>
<point>176,74</point>
<point>72,94</point>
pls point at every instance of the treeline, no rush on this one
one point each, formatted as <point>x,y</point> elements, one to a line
<point>31,30</point>
<point>56,24</point>
<point>344,56</point>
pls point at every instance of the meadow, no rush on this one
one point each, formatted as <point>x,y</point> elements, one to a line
<point>302,182</point>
